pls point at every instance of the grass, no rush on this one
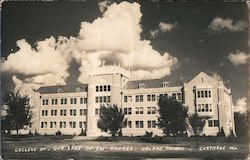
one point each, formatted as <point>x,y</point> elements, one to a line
<point>121,148</point>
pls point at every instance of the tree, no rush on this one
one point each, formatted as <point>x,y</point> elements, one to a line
<point>172,118</point>
<point>197,123</point>
<point>241,124</point>
<point>18,111</point>
<point>111,119</point>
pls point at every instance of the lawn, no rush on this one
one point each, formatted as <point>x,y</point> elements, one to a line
<point>124,148</point>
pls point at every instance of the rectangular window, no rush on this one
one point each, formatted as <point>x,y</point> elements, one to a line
<point>141,98</point>
<point>62,124</point>
<point>80,125</point>
<point>100,88</point>
<point>84,112</point>
<point>206,109</point>
<point>85,100</point>
<point>72,124</point>
<point>96,99</point>
<point>109,87</point>
<point>209,93</point>
<point>125,110</point>
<point>100,99</point>
<point>141,110</point>
<point>44,112</point>
<point>137,98</point>
<point>216,123</point>
<point>202,94</point>
<point>63,112</point>
<point>104,99</point>
<point>179,96</point>
<point>153,97</point>
<point>148,98</point>
<point>129,124</point>
<point>81,112</point>
<point>210,107</point>
<point>151,124</point>
<point>81,100</point>
<point>105,88</point>
<point>129,98</point>
<point>205,94</point>
<point>73,112</point>
<point>71,100</point>
<point>97,88</point>
<point>153,110</point>
<point>210,123</point>
<point>138,110</point>
<point>125,98</point>
<point>55,101</point>
<point>199,94</point>
<point>109,99</point>
<point>62,101</point>
<point>129,110</point>
<point>199,108</point>
<point>42,125</point>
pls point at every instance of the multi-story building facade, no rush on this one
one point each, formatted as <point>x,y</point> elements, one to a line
<point>73,108</point>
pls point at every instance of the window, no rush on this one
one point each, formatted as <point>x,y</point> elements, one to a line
<point>72,124</point>
<point>138,110</point>
<point>104,99</point>
<point>142,85</point>
<point>82,124</point>
<point>62,125</point>
<point>209,93</point>
<point>96,111</point>
<point>202,94</point>
<point>148,98</point>
<point>141,98</point>
<point>137,98</point>
<point>81,100</point>
<point>96,99</point>
<point>52,124</point>
<point>198,94</point>
<point>83,112</point>
<point>125,98</point>
<point>109,87</point>
<point>72,112</point>
<point>73,100</point>
<point>138,124</point>
<point>63,112</point>
<point>43,124</point>
<point>151,124</point>
<point>54,101</point>
<point>109,99</point>
<point>213,123</point>
<point>151,110</point>
<point>100,88</point>
<point>44,112</point>
<point>45,101</point>
<point>204,107</point>
<point>104,88</point>
<point>64,101</point>
<point>97,88</point>
<point>53,112</point>
<point>216,123</point>
<point>127,110</point>
<point>85,100</point>
<point>205,94</point>
<point>128,124</point>
<point>165,84</point>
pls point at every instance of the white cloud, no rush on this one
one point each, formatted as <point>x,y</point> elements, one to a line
<point>162,28</point>
<point>219,24</point>
<point>113,37</point>
<point>238,58</point>
<point>241,105</point>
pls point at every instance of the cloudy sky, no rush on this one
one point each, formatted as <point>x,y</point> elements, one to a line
<point>61,43</point>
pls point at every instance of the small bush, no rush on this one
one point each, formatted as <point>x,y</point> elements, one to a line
<point>148,134</point>
<point>58,133</point>
<point>30,133</point>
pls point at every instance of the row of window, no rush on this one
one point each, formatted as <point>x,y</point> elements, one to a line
<point>104,88</point>
<point>139,110</point>
<point>140,124</point>
<point>204,108</point>
<point>54,101</point>
<point>63,112</point>
<point>151,97</point>
<point>62,124</point>
<point>213,123</point>
<point>204,94</point>
<point>102,99</point>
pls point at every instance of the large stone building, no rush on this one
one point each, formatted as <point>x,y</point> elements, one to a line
<point>70,108</point>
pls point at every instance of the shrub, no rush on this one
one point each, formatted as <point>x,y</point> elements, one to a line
<point>30,133</point>
<point>58,133</point>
